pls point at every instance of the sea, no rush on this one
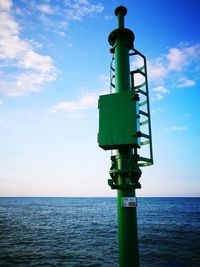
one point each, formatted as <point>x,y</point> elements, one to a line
<point>82,232</point>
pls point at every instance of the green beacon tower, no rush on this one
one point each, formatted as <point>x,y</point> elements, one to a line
<point>125,129</point>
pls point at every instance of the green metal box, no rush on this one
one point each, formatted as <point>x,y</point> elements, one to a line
<point>117,121</point>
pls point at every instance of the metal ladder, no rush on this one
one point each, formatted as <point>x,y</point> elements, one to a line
<point>142,91</point>
<point>144,119</point>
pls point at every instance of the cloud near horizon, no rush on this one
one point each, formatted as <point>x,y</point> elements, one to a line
<point>87,101</point>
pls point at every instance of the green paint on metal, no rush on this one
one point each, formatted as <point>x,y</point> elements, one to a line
<point>124,170</point>
<point>117,118</point>
<point>119,128</point>
<point>125,175</point>
<point>144,108</point>
<point>127,231</point>
<point>144,122</point>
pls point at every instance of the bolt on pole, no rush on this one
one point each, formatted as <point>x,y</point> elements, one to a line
<point>119,130</point>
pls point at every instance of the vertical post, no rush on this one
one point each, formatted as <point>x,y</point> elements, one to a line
<point>121,40</point>
<point>127,222</point>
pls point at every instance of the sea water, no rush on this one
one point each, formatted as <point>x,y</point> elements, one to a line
<point>82,232</point>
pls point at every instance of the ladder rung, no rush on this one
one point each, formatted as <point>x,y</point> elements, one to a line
<point>145,135</point>
<point>144,122</point>
<point>132,54</point>
<point>144,159</point>
<point>145,143</point>
<point>141,92</point>
<point>136,52</point>
<point>143,103</point>
<point>139,70</point>
<point>145,162</point>
<point>143,113</point>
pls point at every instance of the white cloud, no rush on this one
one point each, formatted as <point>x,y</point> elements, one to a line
<point>45,9</point>
<point>32,69</point>
<point>24,83</point>
<point>157,69</point>
<point>159,92</point>
<point>184,82</point>
<point>178,58</point>
<point>31,81</point>
<point>87,101</point>
<point>11,47</point>
<point>62,24</point>
<point>5,5</point>
<point>177,61</point>
<point>70,10</point>
<point>52,25</point>
<point>76,10</point>
<point>177,128</point>
<point>160,89</point>
<point>108,17</point>
<point>34,61</point>
<point>136,62</point>
<point>34,44</point>
<point>61,33</point>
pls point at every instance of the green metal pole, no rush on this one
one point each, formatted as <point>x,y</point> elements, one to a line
<point>121,40</point>
<point>127,222</point>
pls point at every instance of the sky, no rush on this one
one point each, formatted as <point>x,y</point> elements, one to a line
<point>54,64</point>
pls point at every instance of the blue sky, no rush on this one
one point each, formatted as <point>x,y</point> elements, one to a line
<point>54,59</point>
